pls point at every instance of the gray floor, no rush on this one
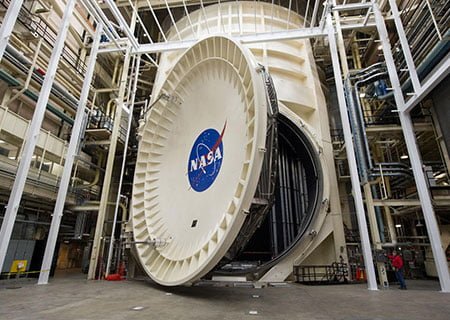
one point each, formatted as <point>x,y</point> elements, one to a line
<point>72,297</point>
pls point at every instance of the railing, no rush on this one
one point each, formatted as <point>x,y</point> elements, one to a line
<point>39,28</point>
<point>99,120</point>
<point>336,273</point>
<point>427,28</point>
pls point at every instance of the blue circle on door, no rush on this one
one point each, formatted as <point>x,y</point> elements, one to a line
<point>205,159</point>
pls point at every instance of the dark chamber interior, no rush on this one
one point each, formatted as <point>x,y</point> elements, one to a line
<point>298,188</point>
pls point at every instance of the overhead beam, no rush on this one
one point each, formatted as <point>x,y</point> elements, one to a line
<point>436,77</point>
<point>352,6</point>
<point>246,38</point>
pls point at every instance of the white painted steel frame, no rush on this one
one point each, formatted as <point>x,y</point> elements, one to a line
<point>245,38</point>
<point>70,157</point>
<point>351,6</point>
<point>356,184</point>
<point>96,245</point>
<point>124,159</point>
<point>122,23</point>
<point>33,134</point>
<point>100,17</point>
<point>8,23</point>
<point>404,108</point>
<point>405,46</point>
<point>414,155</point>
<point>441,71</point>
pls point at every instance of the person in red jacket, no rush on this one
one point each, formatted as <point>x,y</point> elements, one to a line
<point>397,264</point>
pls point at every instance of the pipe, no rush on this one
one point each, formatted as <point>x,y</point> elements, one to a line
<point>38,222</point>
<point>379,217</point>
<point>427,65</point>
<point>30,73</point>
<point>94,182</point>
<point>137,62</point>
<point>109,109</point>
<point>16,58</point>
<point>358,140</point>
<point>375,75</point>
<point>32,95</point>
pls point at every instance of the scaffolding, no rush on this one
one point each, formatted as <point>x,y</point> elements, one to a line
<point>323,24</point>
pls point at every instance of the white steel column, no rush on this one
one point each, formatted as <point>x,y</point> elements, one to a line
<point>125,148</point>
<point>32,135</point>
<point>414,156</point>
<point>104,199</point>
<point>356,184</point>
<point>8,24</point>
<point>70,156</point>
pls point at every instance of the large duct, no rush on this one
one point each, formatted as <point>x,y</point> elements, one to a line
<point>220,186</point>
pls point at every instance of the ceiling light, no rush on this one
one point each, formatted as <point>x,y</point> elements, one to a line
<point>380,47</point>
<point>404,156</point>
<point>2,141</point>
<point>398,225</point>
<point>441,175</point>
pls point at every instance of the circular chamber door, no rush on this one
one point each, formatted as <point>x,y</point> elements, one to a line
<point>199,161</point>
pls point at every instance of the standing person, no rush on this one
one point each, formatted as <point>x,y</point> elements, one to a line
<point>397,264</point>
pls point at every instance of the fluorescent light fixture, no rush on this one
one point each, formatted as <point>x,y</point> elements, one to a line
<point>398,225</point>
<point>404,156</point>
<point>441,175</point>
<point>2,141</point>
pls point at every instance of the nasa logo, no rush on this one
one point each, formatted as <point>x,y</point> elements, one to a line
<point>205,159</point>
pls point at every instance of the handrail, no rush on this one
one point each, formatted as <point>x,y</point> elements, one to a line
<point>40,28</point>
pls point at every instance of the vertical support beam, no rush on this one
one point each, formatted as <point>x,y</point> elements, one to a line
<point>357,195</point>
<point>388,214</point>
<point>405,46</point>
<point>414,156</point>
<point>125,148</point>
<point>70,157</point>
<point>340,42</point>
<point>425,201</point>
<point>33,134</point>
<point>375,233</point>
<point>8,24</point>
<point>390,224</point>
<point>368,196</point>
<point>109,169</point>
<point>96,245</point>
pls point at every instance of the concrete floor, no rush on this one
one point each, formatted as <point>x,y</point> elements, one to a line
<point>73,297</point>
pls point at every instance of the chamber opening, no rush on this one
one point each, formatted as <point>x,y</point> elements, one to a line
<point>297,194</point>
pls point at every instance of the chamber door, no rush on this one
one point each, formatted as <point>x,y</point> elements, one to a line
<point>199,161</point>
